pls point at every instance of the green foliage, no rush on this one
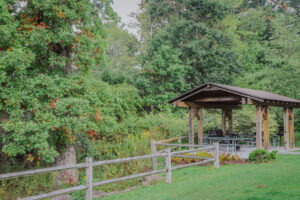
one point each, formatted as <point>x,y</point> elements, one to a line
<point>122,56</point>
<point>297,139</point>
<point>244,121</point>
<point>67,78</point>
<point>274,65</point>
<point>261,155</point>
<point>19,187</point>
<point>187,48</point>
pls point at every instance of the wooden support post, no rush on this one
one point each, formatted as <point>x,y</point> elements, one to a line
<point>200,127</point>
<point>224,121</point>
<point>229,115</point>
<point>216,155</point>
<point>153,150</point>
<point>286,128</point>
<point>168,166</point>
<point>291,128</point>
<point>89,179</point>
<point>191,126</point>
<point>266,129</point>
<point>258,127</point>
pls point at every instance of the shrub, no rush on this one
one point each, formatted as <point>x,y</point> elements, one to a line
<point>261,155</point>
<point>223,158</point>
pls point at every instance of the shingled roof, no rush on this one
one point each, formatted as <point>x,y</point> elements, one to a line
<point>218,90</point>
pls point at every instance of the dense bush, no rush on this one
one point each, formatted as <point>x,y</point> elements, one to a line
<point>261,155</point>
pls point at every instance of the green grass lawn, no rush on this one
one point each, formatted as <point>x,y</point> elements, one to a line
<point>242,182</point>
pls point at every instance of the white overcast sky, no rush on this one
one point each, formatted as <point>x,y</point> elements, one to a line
<point>124,8</point>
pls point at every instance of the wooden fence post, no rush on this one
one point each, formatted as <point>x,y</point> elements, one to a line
<point>153,150</point>
<point>168,166</point>
<point>179,141</point>
<point>89,179</point>
<point>216,155</point>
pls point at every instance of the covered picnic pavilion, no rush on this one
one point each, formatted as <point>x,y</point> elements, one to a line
<point>228,98</point>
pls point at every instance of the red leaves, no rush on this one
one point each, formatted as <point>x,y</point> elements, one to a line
<point>30,158</point>
<point>92,133</point>
<point>98,116</point>
<point>42,25</point>
<point>34,111</point>
<point>51,104</point>
<point>53,128</point>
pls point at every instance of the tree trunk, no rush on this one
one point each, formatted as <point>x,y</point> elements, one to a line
<point>67,176</point>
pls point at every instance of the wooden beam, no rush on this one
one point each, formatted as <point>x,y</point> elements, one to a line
<point>200,127</point>
<point>168,140</point>
<point>266,129</point>
<point>258,127</point>
<point>218,99</point>
<point>247,100</point>
<point>182,104</point>
<point>224,121</point>
<point>277,104</point>
<point>286,128</point>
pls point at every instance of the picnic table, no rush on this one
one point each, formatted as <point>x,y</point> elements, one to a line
<point>234,141</point>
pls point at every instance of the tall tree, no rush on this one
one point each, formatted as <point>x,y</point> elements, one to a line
<point>48,99</point>
<point>122,55</point>
<point>186,48</point>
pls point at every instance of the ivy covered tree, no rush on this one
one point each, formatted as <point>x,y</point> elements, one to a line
<point>49,99</point>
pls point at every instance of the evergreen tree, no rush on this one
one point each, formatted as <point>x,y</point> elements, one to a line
<point>49,99</point>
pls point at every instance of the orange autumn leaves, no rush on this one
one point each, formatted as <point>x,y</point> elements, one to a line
<point>31,22</point>
<point>97,117</point>
<point>51,104</point>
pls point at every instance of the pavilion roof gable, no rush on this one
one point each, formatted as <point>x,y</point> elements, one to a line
<point>256,95</point>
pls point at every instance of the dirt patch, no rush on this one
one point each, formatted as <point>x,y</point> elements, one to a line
<point>151,179</point>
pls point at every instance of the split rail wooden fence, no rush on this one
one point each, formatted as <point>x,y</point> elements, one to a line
<point>89,164</point>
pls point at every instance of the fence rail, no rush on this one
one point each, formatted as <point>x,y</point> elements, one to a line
<point>39,171</point>
<point>89,164</point>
